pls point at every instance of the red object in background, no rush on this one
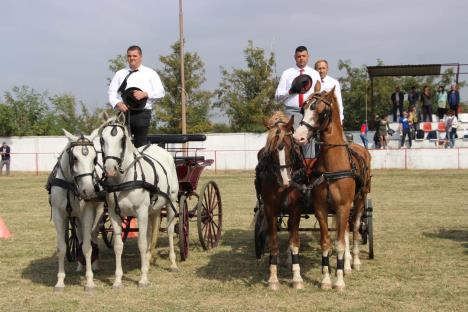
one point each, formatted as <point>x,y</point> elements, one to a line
<point>4,232</point>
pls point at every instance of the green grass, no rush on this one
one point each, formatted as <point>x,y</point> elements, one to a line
<point>421,256</point>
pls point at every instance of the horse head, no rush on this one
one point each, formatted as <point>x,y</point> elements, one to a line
<point>280,147</point>
<point>82,159</point>
<point>320,109</point>
<point>114,139</point>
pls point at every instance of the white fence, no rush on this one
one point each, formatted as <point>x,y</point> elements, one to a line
<point>238,151</point>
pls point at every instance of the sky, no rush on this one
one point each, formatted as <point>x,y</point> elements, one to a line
<point>64,46</point>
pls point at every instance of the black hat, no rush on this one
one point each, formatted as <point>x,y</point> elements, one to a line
<point>301,84</point>
<point>131,102</point>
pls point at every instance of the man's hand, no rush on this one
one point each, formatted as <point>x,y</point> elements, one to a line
<point>122,107</point>
<point>139,94</point>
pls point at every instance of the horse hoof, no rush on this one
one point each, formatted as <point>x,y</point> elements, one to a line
<point>298,285</point>
<point>348,271</point>
<point>339,288</point>
<point>274,286</point>
<point>174,270</point>
<point>357,267</point>
<point>58,289</point>
<point>117,287</point>
<point>143,284</point>
<point>90,289</point>
<point>326,286</point>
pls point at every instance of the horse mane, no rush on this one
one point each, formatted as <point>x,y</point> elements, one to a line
<point>272,139</point>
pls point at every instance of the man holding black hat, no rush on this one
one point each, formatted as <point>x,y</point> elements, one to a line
<point>133,90</point>
<point>296,84</point>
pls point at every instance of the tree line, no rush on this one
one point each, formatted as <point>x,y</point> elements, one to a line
<point>245,95</point>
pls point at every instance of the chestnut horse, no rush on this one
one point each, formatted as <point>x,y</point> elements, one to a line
<point>280,166</point>
<point>341,180</point>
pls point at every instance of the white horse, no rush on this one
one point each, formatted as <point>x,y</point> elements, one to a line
<point>71,186</point>
<point>139,182</point>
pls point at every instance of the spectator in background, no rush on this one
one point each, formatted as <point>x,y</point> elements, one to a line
<point>441,98</point>
<point>413,120</point>
<point>426,99</point>
<point>453,99</point>
<point>5,152</point>
<point>405,129</point>
<point>363,135</point>
<point>397,102</point>
<point>377,142</point>
<point>383,131</point>
<point>451,125</point>
<point>413,98</point>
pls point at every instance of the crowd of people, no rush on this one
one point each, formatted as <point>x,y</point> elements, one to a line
<point>419,110</point>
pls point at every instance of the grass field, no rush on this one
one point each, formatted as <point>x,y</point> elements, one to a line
<point>421,256</point>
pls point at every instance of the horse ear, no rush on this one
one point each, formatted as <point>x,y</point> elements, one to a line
<point>121,118</point>
<point>265,123</point>
<point>70,136</point>
<point>105,116</point>
<point>93,134</point>
<point>290,122</point>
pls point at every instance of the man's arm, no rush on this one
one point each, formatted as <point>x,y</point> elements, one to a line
<point>340,100</point>
<point>157,88</point>
<point>281,91</point>
<point>113,94</point>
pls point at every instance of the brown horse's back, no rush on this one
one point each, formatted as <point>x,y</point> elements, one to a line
<point>362,160</point>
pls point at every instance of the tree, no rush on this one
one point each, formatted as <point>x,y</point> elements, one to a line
<point>247,95</point>
<point>29,110</point>
<point>168,110</point>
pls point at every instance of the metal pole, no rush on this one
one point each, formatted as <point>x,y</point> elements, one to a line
<point>182,74</point>
<point>366,101</point>
<point>458,74</point>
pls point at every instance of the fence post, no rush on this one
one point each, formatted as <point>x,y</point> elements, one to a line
<point>37,164</point>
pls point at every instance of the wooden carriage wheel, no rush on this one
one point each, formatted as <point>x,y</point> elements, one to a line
<point>209,215</point>
<point>71,239</point>
<point>107,232</point>
<point>183,228</point>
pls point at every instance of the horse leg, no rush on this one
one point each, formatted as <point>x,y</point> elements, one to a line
<point>99,209</point>
<point>321,213</point>
<point>273,245</point>
<point>294,244</point>
<point>142,216</point>
<point>359,209</point>
<point>59,221</point>
<point>348,257</point>
<point>170,233</point>
<point>118,248</point>
<point>79,235</point>
<point>156,223</point>
<point>87,219</point>
<point>342,217</point>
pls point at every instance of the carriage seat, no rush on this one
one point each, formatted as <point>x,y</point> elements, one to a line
<point>175,138</point>
<point>188,159</point>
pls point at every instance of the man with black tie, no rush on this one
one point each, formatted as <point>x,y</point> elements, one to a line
<point>133,90</point>
<point>397,102</point>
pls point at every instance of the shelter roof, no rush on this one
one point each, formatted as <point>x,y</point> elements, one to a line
<point>404,70</point>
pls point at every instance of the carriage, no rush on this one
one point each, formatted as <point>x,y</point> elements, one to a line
<point>206,207</point>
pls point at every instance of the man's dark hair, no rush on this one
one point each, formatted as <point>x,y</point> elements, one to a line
<point>300,49</point>
<point>134,47</point>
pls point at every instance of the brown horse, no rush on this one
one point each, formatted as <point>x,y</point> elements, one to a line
<point>340,180</point>
<point>280,166</point>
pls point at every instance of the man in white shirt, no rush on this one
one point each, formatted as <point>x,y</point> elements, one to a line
<point>133,90</point>
<point>328,83</point>
<point>293,101</point>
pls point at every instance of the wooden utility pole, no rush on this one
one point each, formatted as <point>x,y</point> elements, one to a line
<point>182,75</point>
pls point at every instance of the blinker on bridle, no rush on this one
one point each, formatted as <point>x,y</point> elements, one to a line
<point>323,116</point>
<point>113,133</point>
<point>84,143</point>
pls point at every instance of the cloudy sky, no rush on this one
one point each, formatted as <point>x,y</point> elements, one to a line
<point>64,46</point>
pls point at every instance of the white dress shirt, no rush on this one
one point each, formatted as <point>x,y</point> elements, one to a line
<point>282,91</point>
<point>145,78</point>
<point>327,84</point>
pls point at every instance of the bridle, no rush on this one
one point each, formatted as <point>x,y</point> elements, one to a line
<point>85,144</point>
<point>293,149</point>
<point>324,116</point>
<point>113,132</point>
